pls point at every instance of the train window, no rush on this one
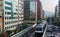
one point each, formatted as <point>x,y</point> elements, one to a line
<point>39,29</point>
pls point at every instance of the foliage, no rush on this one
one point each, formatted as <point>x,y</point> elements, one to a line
<point>8,32</point>
<point>54,20</point>
<point>16,31</point>
<point>25,25</point>
<point>11,32</point>
<point>48,19</point>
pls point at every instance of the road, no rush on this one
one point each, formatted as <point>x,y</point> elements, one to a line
<point>52,31</point>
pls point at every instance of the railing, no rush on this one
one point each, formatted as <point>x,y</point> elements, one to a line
<point>21,33</point>
<point>44,34</point>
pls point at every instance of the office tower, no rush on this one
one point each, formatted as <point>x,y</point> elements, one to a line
<point>56,11</point>
<point>20,13</point>
<point>39,9</point>
<point>29,9</point>
<point>42,14</point>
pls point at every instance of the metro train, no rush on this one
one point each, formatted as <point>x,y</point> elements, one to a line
<point>40,28</point>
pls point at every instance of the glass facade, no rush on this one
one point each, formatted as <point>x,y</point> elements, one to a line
<point>29,10</point>
<point>32,7</point>
<point>26,10</point>
<point>32,10</point>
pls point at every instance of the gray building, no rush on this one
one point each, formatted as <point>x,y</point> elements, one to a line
<point>56,11</point>
<point>29,9</point>
<point>59,11</point>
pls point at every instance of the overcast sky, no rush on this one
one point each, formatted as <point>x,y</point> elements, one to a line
<point>49,5</point>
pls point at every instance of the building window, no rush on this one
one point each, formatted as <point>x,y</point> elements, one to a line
<point>15,13</point>
<point>5,23</point>
<point>5,28</point>
<point>10,18</point>
<point>8,12</point>
<point>9,22</point>
<point>9,26</point>
<point>7,8</point>
<point>8,3</point>
<point>5,12</point>
<point>16,9</point>
<point>5,18</point>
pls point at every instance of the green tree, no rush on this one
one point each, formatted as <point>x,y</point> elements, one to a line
<point>25,25</point>
<point>54,20</point>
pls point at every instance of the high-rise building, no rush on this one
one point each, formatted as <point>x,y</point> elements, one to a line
<point>29,9</point>
<point>39,9</point>
<point>8,14</point>
<point>26,9</point>
<point>21,11</point>
<point>56,11</point>
<point>59,11</point>
<point>42,13</point>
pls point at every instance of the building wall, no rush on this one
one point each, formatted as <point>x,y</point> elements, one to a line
<point>29,9</point>
<point>39,9</point>
<point>42,14</point>
<point>10,14</point>
<point>21,11</point>
<point>26,10</point>
<point>32,10</point>
<point>56,11</point>
<point>59,11</point>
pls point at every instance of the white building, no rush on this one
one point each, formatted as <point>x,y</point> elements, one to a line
<point>20,11</point>
<point>9,14</point>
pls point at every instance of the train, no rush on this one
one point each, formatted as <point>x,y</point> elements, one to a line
<point>39,30</point>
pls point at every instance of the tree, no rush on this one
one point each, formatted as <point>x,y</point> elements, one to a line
<point>48,19</point>
<point>25,25</point>
<point>54,20</point>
